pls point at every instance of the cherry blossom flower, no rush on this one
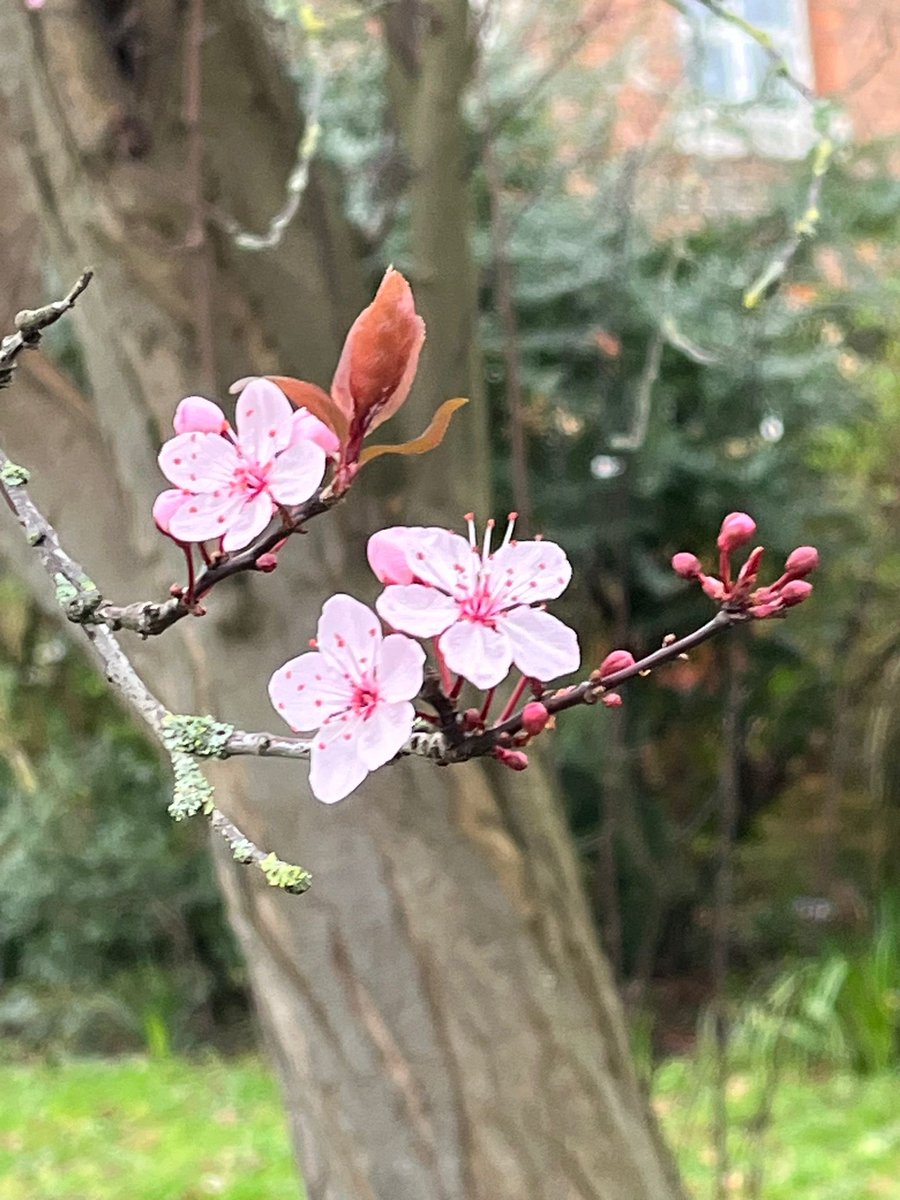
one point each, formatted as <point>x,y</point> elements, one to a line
<point>355,691</point>
<point>237,480</point>
<point>479,603</point>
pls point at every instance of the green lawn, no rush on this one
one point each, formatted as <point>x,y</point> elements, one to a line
<point>177,1130</point>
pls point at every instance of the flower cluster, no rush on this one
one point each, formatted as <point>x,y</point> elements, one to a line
<point>740,594</point>
<point>481,608</point>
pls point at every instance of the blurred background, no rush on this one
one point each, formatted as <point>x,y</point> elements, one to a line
<point>683,221</point>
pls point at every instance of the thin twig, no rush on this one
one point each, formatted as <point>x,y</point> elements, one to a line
<point>31,323</point>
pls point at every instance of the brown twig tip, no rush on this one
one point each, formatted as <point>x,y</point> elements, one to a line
<point>31,322</point>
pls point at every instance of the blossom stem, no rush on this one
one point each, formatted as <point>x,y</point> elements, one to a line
<point>442,666</point>
<point>510,707</point>
<point>486,707</point>
<point>192,579</point>
<point>457,688</point>
<point>207,560</point>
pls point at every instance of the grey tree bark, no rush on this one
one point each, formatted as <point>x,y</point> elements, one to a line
<point>437,1009</point>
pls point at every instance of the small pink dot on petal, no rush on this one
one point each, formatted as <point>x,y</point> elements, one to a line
<point>220,520</point>
<point>273,433</point>
<point>318,703</point>
<point>420,556</point>
<point>347,737</point>
<point>321,745</point>
<point>300,687</point>
<point>288,674</point>
<point>319,678</point>
<point>373,632</point>
<point>249,412</point>
<point>280,705</point>
<point>177,462</point>
<point>193,508</point>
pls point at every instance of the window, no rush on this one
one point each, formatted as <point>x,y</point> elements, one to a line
<point>739,103</point>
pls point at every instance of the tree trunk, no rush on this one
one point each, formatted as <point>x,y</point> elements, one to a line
<point>440,1017</point>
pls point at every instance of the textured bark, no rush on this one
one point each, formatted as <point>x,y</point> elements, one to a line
<point>441,1020</point>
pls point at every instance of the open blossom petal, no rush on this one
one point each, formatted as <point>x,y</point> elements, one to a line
<point>386,552</point>
<point>523,572</point>
<point>166,505</point>
<point>203,517</point>
<point>251,519</point>
<point>198,462</point>
<point>542,646</point>
<point>413,608</point>
<point>349,636</point>
<point>381,735</point>
<point>196,414</point>
<point>307,428</point>
<point>307,690</point>
<point>335,767</point>
<point>478,652</point>
<point>443,559</point>
<point>263,418</point>
<point>297,473</point>
<point>400,667</point>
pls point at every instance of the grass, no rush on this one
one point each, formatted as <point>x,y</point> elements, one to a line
<point>172,1129</point>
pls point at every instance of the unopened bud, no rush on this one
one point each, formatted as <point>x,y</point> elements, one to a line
<point>801,561</point>
<point>616,660</point>
<point>516,760</point>
<point>688,566</point>
<point>612,700</point>
<point>737,530</point>
<point>471,719</point>
<point>713,587</point>
<point>795,592</point>
<point>534,717</point>
<point>267,562</point>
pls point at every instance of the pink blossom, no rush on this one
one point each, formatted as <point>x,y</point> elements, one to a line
<point>237,481</point>
<point>386,551</point>
<point>736,531</point>
<point>355,691</point>
<point>479,603</point>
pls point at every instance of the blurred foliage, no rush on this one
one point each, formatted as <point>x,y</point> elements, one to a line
<point>112,935</point>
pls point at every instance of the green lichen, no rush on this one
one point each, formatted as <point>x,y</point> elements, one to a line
<point>242,850</point>
<point>66,591</point>
<point>13,475</point>
<point>204,737</point>
<point>284,875</point>
<point>193,792</point>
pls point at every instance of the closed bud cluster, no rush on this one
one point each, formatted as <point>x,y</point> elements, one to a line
<point>740,594</point>
<point>612,700</point>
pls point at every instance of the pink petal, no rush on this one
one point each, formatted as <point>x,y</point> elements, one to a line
<point>399,671</point>
<point>524,572</point>
<point>383,732</point>
<point>263,418</point>
<point>335,767</point>
<point>204,517</point>
<point>543,647</point>
<point>251,519</point>
<point>386,552</point>
<point>195,414</point>
<point>307,690</point>
<point>416,609</point>
<point>198,462</point>
<point>443,559</point>
<point>307,428</point>
<point>297,473</point>
<point>477,652</point>
<point>349,635</point>
<point>166,505</point>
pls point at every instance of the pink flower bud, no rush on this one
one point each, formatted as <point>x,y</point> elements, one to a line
<point>534,717</point>
<point>714,588</point>
<point>196,415</point>
<point>688,566</point>
<point>165,506</point>
<point>516,760</point>
<point>613,700</point>
<point>801,561</point>
<point>267,562</point>
<point>616,660</point>
<point>748,572</point>
<point>795,592</point>
<point>307,428</point>
<point>737,530</point>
